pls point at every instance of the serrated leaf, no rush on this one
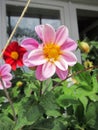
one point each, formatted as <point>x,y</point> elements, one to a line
<point>79,113</point>
<point>47,85</point>
<point>95,83</point>
<point>84,101</point>
<point>29,88</point>
<point>53,113</point>
<point>66,100</point>
<point>50,124</point>
<point>58,125</point>
<point>6,123</point>
<point>83,77</point>
<point>28,115</point>
<point>15,91</point>
<point>91,115</point>
<point>48,101</point>
<point>33,113</point>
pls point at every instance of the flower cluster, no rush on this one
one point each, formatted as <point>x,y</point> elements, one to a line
<point>53,55</point>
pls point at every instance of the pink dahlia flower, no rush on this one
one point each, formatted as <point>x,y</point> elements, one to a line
<point>5,75</point>
<point>53,55</point>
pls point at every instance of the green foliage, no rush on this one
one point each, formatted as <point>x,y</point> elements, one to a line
<point>6,123</point>
<point>52,104</point>
<point>93,54</point>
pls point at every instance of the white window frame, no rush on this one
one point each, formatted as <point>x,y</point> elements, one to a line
<point>84,7</point>
<point>73,17</point>
<point>2,26</point>
<point>68,16</point>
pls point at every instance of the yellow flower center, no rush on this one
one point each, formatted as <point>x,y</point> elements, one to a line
<point>52,51</point>
<point>14,55</point>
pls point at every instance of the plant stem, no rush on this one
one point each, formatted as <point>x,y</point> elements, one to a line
<point>80,128</point>
<point>9,99</point>
<point>74,74</point>
<point>37,128</point>
<point>13,32</point>
<point>41,84</point>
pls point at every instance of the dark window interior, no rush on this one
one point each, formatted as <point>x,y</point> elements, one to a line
<point>87,24</point>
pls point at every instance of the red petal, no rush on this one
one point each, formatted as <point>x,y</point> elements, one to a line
<point>20,63</point>
<point>14,66</point>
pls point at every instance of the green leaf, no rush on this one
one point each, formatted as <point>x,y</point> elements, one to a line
<point>79,112</point>
<point>28,113</point>
<point>94,43</point>
<point>53,113</point>
<point>6,123</point>
<point>57,80</point>
<point>83,77</point>
<point>44,124</point>
<point>29,88</point>
<point>33,113</point>
<point>96,124</point>
<point>66,100</point>
<point>95,83</point>
<point>84,101</point>
<point>91,115</point>
<point>49,124</point>
<point>48,102</point>
<point>57,125</point>
<point>68,96</point>
<point>15,91</point>
<point>47,85</point>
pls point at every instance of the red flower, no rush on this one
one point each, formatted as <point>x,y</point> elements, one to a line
<point>13,55</point>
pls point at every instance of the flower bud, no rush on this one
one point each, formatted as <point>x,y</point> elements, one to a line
<point>84,47</point>
<point>88,64</point>
<point>19,83</point>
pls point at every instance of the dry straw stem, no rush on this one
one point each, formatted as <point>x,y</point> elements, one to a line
<point>13,32</point>
<point>5,90</point>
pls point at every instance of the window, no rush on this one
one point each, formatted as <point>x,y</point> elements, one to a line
<point>87,24</point>
<point>39,12</point>
<point>33,17</point>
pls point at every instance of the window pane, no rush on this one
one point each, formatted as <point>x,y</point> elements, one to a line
<point>33,17</point>
<point>25,28</point>
<point>88,24</point>
<point>54,22</point>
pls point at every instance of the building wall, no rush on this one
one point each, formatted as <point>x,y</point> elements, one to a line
<point>68,14</point>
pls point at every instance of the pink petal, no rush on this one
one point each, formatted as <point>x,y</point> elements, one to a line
<point>61,35</point>
<point>1,87</point>
<point>39,30</point>
<point>6,84</point>
<point>36,57</point>
<point>7,77</point>
<point>48,69</point>
<point>69,45</point>
<point>29,43</point>
<point>61,64</point>
<point>26,61</point>
<point>61,74</point>
<point>48,34</point>
<point>38,73</point>
<point>4,69</point>
<point>70,58</point>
